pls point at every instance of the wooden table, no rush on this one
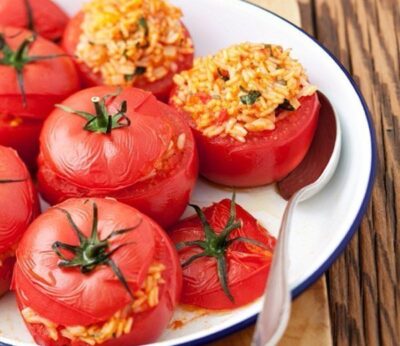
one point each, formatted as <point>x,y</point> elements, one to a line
<point>363,285</point>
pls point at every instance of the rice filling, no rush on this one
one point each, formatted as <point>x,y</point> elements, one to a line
<point>120,323</point>
<point>241,89</point>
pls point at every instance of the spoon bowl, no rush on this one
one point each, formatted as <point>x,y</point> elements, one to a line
<point>310,177</point>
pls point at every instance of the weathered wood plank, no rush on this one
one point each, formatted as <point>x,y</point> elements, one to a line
<point>309,323</point>
<point>363,283</point>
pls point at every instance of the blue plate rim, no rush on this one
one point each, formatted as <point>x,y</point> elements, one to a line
<point>357,221</point>
<point>340,248</point>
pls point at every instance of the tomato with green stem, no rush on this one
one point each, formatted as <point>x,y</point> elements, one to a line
<point>225,254</point>
<point>120,143</point>
<point>41,16</point>
<point>35,74</point>
<point>88,258</point>
<point>18,207</point>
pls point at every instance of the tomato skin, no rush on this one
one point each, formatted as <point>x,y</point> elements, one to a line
<point>49,20</point>
<point>6,270</point>
<point>153,199</point>
<point>46,82</point>
<point>267,156</point>
<point>248,266</point>
<point>18,200</point>
<point>98,295</point>
<point>58,181</point>
<point>18,207</point>
<point>161,88</point>
<point>23,137</point>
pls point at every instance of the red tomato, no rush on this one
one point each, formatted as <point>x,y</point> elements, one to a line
<point>6,269</point>
<point>139,164</point>
<point>266,156</point>
<point>247,261</point>
<point>48,20</point>
<point>85,294</point>
<point>45,83</point>
<point>21,134</point>
<point>18,207</point>
<point>161,88</point>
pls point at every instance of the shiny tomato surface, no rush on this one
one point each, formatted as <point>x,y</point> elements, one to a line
<point>266,156</point>
<point>160,88</point>
<point>22,134</point>
<point>6,270</point>
<point>247,264</point>
<point>131,164</point>
<point>89,298</point>
<point>49,20</point>
<point>46,82</point>
<point>18,207</point>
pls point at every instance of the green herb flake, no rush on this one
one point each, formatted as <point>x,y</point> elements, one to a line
<point>140,70</point>
<point>286,105</point>
<point>143,24</point>
<point>250,98</point>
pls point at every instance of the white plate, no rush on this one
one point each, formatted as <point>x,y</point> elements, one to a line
<point>324,224</point>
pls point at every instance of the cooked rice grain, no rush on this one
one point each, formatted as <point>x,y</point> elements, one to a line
<point>248,82</point>
<point>120,323</point>
<point>120,36</point>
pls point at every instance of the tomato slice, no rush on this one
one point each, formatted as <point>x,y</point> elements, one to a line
<point>160,88</point>
<point>266,156</point>
<point>22,134</point>
<point>77,163</point>
<point>247,264</point>
<point>46,82</point>
<point>84,299</point>
<point>49,20</point>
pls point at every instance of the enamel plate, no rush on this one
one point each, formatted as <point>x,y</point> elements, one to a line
<point>324,224</point>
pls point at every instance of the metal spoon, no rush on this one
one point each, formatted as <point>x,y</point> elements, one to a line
<point>305,181</point>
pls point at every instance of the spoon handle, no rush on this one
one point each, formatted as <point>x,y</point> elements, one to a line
<point>274,316</point>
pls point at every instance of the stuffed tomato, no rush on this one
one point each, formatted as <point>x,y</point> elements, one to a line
<point>144,44</point>
<point>109,273</point>
<point>18,207</point>
<point>108,142</point>
<point>41,16</point>
<point>252,111</point>
<point>225,254</point>
<point>35,74</point>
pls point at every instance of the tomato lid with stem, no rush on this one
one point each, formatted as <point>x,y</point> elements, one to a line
<point>107,140</point>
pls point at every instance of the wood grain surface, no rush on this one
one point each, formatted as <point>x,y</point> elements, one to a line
<point>364,283</point>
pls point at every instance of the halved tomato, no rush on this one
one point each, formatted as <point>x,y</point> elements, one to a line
<point>160,88</point>
<point>100,265</point>
<point>35,74</point>
<point>226,255</point>
<point>18,207</point>
<point>128,146</point>
<point>266,156</point>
